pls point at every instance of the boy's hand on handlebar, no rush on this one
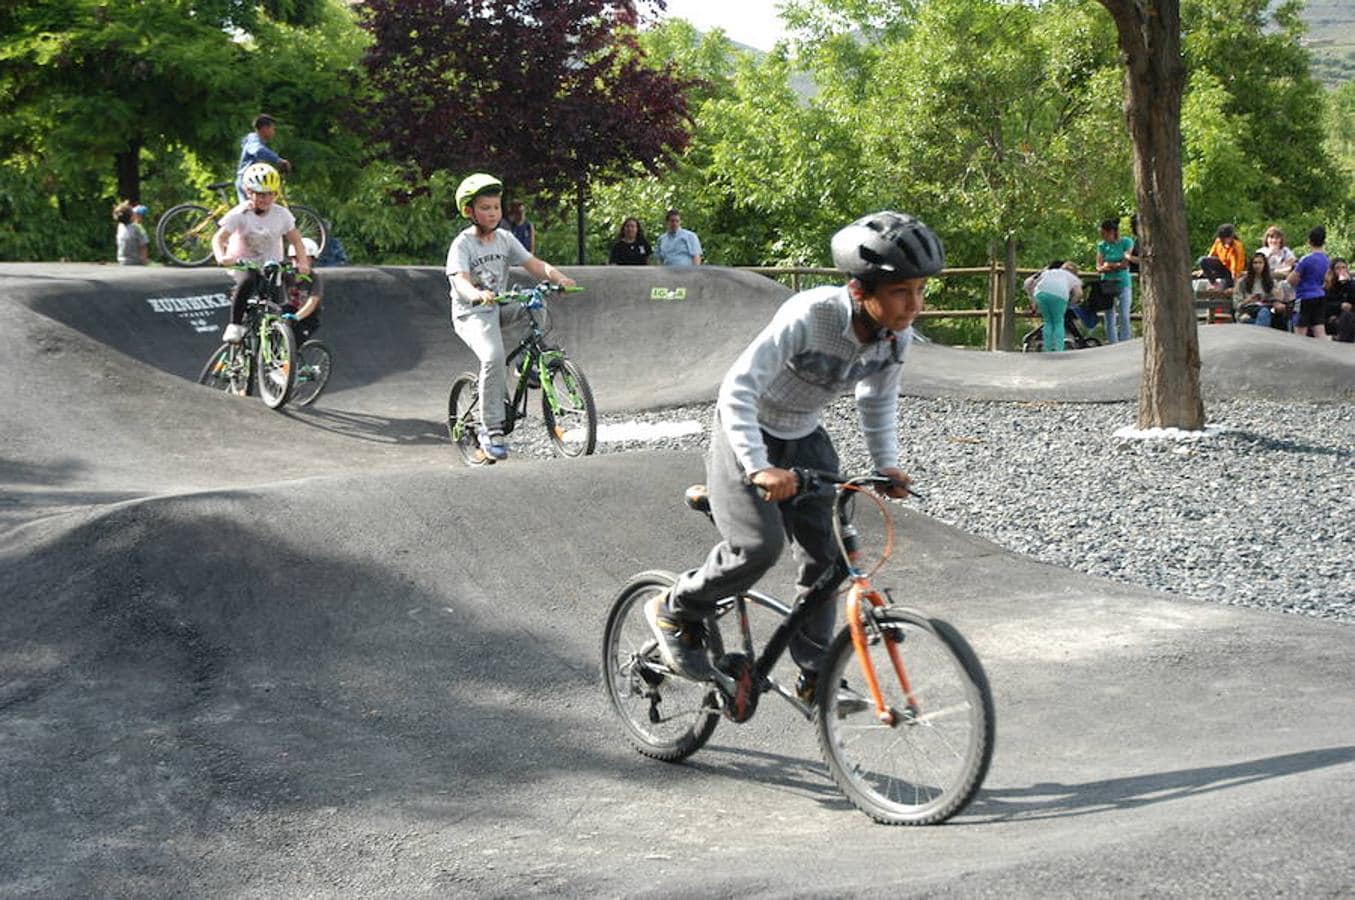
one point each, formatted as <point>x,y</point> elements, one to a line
<point>565,280</point>
<point>486,297</point>
<point>776,485</point>
<point>901,482</point>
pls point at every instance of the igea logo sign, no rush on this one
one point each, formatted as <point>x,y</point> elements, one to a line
<point>658,293</point>
<point>195,310</point>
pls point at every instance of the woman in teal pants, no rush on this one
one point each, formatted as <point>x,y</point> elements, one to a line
<point>1052,290</point>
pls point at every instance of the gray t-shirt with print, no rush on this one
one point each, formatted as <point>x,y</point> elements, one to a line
<point>485,264</point>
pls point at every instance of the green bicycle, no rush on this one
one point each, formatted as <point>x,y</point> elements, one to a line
<point>267,356</point>
<point>567,407</point>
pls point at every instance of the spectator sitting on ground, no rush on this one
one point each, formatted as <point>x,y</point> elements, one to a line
<point>1278,254</point>
<point>132,241</point>
<point>1340,301</point>
<point>631,247</point>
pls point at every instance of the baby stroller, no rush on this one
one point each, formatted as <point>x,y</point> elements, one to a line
<point>1073,337</point>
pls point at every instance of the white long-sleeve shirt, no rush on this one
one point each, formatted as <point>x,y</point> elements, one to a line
<point>805,358</point>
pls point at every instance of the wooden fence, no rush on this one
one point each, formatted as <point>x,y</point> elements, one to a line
<point>996,275</point>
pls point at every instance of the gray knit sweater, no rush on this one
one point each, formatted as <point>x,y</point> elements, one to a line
<point>806,357</point>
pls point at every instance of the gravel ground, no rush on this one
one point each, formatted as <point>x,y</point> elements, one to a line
<point>1259,515</point>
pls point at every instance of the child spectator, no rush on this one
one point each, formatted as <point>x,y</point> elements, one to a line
<point>133,244</point>
<point>1308,277</point>
<point>477,267</point>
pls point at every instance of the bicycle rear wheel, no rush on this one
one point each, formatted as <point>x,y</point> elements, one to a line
<point>929,764</point>
<point>567,407</point>
<point>463,419</point>
<point>666,717</point>
<point>228,369</point>
<point>311,225</point>
<point>314,363</point>
<point>184,235</point>
<point>276,364</point>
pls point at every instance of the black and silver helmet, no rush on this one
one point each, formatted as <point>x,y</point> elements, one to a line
<point>888,245</point>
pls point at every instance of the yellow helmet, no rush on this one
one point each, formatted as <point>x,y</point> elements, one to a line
<point>261,178</point>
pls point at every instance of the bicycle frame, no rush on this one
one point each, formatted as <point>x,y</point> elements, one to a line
<point>531,354</point>
<point>862,599</point>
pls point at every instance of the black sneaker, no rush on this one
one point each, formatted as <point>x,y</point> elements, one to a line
<point>848,700</point>
<point>682,644</point>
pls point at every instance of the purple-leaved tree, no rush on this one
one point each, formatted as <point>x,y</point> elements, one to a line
<point>545,94</point>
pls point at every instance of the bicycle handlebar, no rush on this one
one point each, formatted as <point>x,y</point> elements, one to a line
<point>819,483</point>
<point>533,297</point>
<point>270,267</point>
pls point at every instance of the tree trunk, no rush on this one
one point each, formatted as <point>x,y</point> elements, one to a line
<point>1155,78</point>
<point>127,164</point>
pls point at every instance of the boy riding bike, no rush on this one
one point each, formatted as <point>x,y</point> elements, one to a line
<point>254,231</point>
<point>477,266</point>
<point>767,421</point>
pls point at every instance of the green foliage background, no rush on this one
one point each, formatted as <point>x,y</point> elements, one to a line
<point>994,120</point>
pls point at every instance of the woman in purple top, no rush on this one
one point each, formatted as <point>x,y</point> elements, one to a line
<point>1308,280</point>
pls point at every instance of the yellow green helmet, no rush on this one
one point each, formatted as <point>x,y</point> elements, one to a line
<point>261,178</point>
<point>476,185</point>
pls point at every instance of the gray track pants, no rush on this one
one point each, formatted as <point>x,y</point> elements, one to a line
<point>484,330</point>
<point>755,532</point>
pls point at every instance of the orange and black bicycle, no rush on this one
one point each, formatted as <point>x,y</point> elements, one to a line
<point>904,712</point>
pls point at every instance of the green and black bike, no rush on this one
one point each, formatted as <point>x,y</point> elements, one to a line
<point>567,407</point>
<point>268,356</point>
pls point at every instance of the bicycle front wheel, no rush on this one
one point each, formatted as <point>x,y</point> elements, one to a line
<point>927,765</point>
<point>666,717</point>
<point>276,364</point>
<point>313,365</point>
<point>309,223</point>
<point>567,407</point>
<point>184,235</point>
<point>228,369</point>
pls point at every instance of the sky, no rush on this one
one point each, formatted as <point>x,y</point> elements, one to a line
<point>751,22</point>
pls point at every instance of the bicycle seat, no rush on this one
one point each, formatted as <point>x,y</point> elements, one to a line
<point>698,498</point>
<point>219,185</point>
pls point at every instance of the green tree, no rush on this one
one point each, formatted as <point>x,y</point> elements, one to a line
<point>98,93</point>
<point>999,121</point>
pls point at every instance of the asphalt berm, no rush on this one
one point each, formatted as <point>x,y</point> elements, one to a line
<point>248,653</point>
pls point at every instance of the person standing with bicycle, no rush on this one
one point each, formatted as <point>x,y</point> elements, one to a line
<point>254,149</point>
<point>477,267</point>
<point>254,231</point>
<point>820,343</point>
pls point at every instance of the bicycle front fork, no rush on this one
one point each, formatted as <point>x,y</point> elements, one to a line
<point>859,592</point>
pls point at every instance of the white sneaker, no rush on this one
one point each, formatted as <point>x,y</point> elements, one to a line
<point>233,334</point>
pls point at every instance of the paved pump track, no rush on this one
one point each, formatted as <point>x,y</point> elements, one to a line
<point>247,653</point>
